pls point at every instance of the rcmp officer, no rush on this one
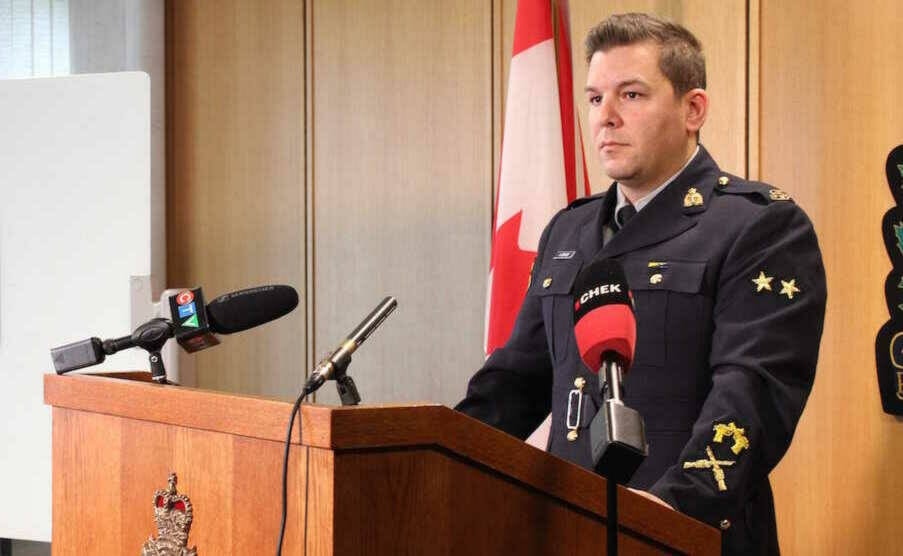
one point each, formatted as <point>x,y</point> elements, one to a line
<point>729,292</point>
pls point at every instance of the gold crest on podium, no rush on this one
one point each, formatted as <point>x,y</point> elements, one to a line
<point>173,514</point>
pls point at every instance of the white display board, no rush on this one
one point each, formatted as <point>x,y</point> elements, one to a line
<point>74,227</point>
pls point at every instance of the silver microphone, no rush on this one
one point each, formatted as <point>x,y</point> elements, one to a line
<point>341,356</point>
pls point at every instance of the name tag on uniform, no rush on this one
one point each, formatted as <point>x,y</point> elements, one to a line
<point>564,255</point>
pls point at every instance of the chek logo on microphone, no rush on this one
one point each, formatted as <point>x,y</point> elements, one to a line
<point>606,289</point>
<point>600,290</point>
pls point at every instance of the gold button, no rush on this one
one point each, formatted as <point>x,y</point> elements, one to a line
<point>580,382</point>
<point>547,282</point>
<point>723,180</point>
<point>572,436</point>
<point>655,279</point>
<point>725,524</point>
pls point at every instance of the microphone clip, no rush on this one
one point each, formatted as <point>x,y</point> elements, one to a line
<point>335,368</point>
<point>346,388</point>
<point>617,432</point>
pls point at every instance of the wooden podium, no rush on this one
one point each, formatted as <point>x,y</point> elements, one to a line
<point>406,479</point>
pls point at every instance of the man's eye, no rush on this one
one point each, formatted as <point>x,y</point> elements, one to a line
<point>632,94</point>
<point>595,99</point>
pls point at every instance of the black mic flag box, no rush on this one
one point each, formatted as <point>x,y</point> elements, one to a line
<point>189,316</point>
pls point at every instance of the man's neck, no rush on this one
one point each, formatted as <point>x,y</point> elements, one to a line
<point>634,192</point>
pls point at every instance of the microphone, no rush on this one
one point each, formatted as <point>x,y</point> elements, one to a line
<point>193,324</point>
<point>229,313</point>
<point>244,309</point>
<point>605,330</point>
<point>336,362</point>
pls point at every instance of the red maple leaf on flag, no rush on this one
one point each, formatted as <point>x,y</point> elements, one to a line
<point>537,174</point>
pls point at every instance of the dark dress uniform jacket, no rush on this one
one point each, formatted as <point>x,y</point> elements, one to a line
<point>727,341</point>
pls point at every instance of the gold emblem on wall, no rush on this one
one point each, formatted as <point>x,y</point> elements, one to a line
<point>173,514</point>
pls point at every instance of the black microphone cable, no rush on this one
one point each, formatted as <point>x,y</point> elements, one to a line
<point>326,369</point>
<point>288,444</point>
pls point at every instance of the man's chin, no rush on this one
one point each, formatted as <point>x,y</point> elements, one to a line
<point>619,174</point>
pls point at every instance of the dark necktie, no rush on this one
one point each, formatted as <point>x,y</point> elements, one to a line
<point>624,215</point>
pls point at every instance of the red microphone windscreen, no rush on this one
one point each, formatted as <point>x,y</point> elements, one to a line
<point>603,314</point>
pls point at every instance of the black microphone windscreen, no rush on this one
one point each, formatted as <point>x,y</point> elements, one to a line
<point>602,282</point>
<point>244,309</point>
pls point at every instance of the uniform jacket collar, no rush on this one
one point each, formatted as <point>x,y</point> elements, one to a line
<point>663,218</point>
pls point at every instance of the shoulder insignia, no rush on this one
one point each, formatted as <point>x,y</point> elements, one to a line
<point>778,195</point>
<point>738,186</point>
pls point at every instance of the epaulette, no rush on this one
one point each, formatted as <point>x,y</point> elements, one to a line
<point>583,200</point>
<point>739,186</point>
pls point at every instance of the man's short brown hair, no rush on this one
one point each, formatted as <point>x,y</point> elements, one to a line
<point>681,59</point>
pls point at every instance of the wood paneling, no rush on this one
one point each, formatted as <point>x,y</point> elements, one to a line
<point>235,179</point>
<point>402,154</point>
<point>830,113</point>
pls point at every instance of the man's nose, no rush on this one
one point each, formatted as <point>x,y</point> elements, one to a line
<point>608,113</point>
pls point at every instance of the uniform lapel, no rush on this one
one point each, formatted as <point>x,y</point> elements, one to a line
<point>666,215</point>
<point>591,231</point>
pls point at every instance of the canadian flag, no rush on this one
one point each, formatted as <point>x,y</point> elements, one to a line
<point>537,174</point>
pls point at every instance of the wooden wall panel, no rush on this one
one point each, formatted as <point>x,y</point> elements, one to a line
<point>402,143</point>
<point>235,180</point>
<point>830,113</point>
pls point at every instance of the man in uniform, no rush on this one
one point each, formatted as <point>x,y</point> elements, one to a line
<point>728,285</point>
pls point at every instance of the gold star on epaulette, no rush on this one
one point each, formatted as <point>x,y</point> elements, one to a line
<point>789,288</point>
<point>762,282</point>
<point>731,429</point>
<point>711,463</point>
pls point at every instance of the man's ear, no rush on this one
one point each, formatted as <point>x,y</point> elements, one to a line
<point>697,104</point>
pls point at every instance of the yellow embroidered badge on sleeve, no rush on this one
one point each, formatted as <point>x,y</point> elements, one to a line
<point>732,430</point>
<point>762,281</point>
<point>714,464</point>
<point>789,288</point>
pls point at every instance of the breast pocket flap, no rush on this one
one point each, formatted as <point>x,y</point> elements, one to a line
<point>674,276</point>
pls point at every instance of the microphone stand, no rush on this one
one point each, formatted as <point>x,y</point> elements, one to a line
<point>617,442</point>
<point>611,393</point>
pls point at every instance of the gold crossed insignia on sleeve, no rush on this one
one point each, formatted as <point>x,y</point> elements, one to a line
<point>732,430</point>
<point>711,463</point>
